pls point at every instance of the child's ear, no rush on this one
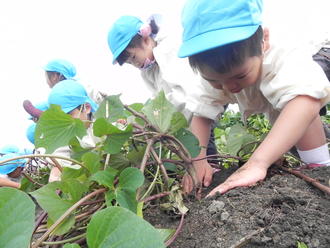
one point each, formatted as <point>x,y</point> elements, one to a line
<point>265,40</point>
<point>88,108</point>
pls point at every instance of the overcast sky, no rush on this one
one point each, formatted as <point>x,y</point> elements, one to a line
<point>36,31</point>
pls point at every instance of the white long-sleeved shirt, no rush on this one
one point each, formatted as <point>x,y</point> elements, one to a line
<point>286,73</point>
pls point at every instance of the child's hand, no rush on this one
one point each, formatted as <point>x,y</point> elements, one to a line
<point>204,174</point>
<point>247,175</point>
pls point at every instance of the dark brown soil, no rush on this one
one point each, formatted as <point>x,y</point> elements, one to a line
<point>277,213</point>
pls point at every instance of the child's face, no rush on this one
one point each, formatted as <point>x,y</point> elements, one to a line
<point>52,79</point>
<point>81,113</point>
<point>238,78</point>
<point>138,55</point>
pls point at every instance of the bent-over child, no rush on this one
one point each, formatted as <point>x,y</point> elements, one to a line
<point>147,47</point>
<point>227,45</point>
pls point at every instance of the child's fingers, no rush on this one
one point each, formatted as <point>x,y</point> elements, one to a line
<point>222,188</point>
<point>187,184</point>
<point>208,177</point>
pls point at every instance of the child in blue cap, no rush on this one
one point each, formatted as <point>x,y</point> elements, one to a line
<point>228,47</point>
<point>61,69</point>
<point>73,99</point>
<point>11,169</point>
<point>145,46</point>
<point>58,70</point>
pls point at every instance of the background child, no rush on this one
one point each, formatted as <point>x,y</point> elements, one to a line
<point>72,97</point>
<point>56,71</point>
<point>233,53</point>
<point>59,69</point>
<point>9,172</point>
<point>144,46</point>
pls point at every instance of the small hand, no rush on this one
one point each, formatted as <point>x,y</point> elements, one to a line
<point>204,174</point>
<point>247,175</point>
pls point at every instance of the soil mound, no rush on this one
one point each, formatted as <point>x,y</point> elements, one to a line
<point>277,212</point>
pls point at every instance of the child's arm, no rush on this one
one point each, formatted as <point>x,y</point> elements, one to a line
<point>8,183</point>
<point>200,127</point>
<point>55,175</point>
<point>297,121</point>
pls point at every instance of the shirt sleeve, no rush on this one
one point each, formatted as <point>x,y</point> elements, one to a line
<point>294,74</point>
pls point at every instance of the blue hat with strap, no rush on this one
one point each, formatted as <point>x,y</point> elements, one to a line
<point>61,66</point>
<point>121,34</point>
<point>210,24</point>
<point>70,94</point>
<point>9,152</point>
<point>9,149</point>
<point>11,165</point>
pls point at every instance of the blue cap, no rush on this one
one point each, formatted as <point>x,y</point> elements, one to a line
<point>69,94</point>
<point>121,34</point>
<point>12,151</point>
<point>210,24</point>
<point>12,165</point>
<point>63,67</point>
<point>30,132</point>
<point>9,149</point>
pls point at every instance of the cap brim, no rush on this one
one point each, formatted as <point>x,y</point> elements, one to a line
<point>215,38</point>
<point>119,51</point>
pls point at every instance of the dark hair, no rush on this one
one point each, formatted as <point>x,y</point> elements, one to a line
<point>51,73</point>
<point>223,59</point>
<point>136,41</point>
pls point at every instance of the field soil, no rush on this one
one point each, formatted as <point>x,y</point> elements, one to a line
<point>277,213</point>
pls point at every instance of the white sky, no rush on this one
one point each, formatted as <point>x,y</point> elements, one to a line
<point>36,31</point>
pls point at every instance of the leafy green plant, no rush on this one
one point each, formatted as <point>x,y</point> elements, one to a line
<point>102,201</point>
<point>301,245</point>
<point>237,139</point>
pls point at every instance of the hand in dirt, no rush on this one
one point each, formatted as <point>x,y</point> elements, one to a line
<point>247,175</point>
<point>204,175</point>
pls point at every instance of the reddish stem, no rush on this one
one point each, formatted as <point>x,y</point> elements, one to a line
<point>153,197</point>
<point>178,230</point>
<point>308,179</point>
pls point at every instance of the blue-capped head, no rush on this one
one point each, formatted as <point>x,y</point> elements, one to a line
<point>70,94</point>
<point>210,24</point>
<point>9,152</point>
<point>121,34</point>
<point>64,67</point>
<point>58,70</point>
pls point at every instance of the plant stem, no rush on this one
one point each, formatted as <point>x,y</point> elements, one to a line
<point>59,167</point>
<point>218,156</point>
<point>65,240</point>
<point>42,156</point>
<point>308,179</point>
<point>151,185</point>
<point>146,155</point>
<point>153,197</point>
<point>178,230</point>
<point>66,214</point>
<point>143,117</point>
<point>39,220</point>
<point>161,165</point>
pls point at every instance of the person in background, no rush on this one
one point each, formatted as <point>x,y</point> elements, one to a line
<point>233,52</point>
<point>57,70</point>
<point>73,99</point>
<point>147,47</point>
<point>11,171</point>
